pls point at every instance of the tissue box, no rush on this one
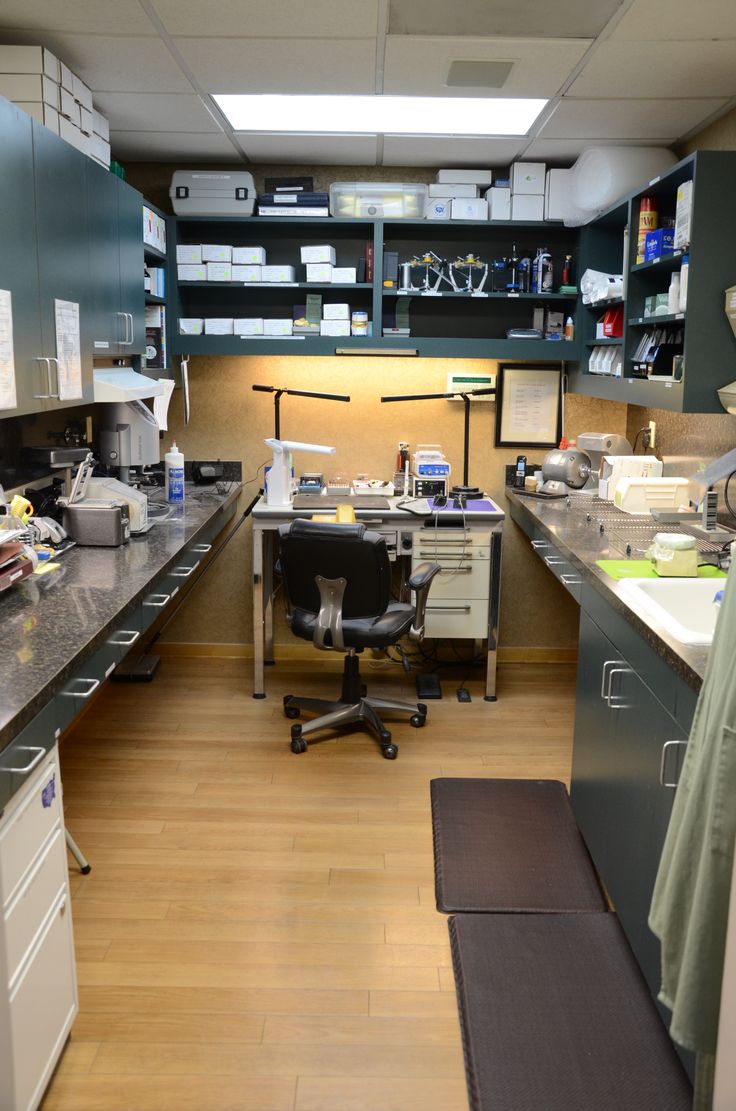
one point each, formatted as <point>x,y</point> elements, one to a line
<point>277,327</point>
<point>188,252</point>
<point>191,325</point>
<point>188,272</point>
<point>334,328</point>
<point>249,255</point>
<point>216,252</point>
<point>219,272</point>
<point>278,273</point>
<point>218,325</point>
<point>344,274</point>
<point>324,253</point>
<point>248,326</point>
<point>336,312</point>
<point>247,273</point>
<point>319,272</point>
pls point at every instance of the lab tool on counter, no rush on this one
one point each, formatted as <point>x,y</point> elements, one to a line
<point>640,495</point>
<point>564,471</point>
<point>612,468</point>
<point>98,522</point>
<point>105,487</point>
<point>278,391</point>
<point>311,482</point>
<point>279,490</point>
<point>674,555</point>
<point>129,436</point>
<point>597,445</point>
<point>174,474</point>
<point>430,472</point>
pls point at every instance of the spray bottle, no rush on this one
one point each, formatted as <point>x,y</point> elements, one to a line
<point>174,471</point>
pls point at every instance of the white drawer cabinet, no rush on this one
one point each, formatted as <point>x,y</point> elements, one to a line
<point>38,992</point>
<point>457,606</point>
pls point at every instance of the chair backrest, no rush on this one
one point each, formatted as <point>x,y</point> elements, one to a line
<point>310,548</point>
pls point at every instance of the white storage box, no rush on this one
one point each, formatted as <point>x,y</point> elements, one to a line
<point>615,467</point>
<point>499,203</point>
<point>71,133</point>
<point>191,325</point>
<point>528,177</point>
<point>324,253</point>
<point>85,120</point>
<point>463,208</point>
<point>248,326</point>
<point>344,274</point>
<point>189,252</point>
<point>203,193</point>
<point>557,194</point>
<point>99,149</point>
<point>218,325</point>
<point>219,272</point>
<point>642,495</point>
<point>279,326</point>
<point>393,200</point>
<point>248,255</point>
<point>82,93</point>
<point>247,273</point>
<point>44,113</point>
<point>319,272</point>
<point>469,177</point>
<point>29,87</point>
<point>29,59</point>
<point>66,77</point>
<point>100,126</point>
<point>216,252</point>
<point>336,312</point>
<point>453,189</point>
<point>68,106</point>
<point>438,208</point>
<point>526,206</point>
<point>334,328</point>
<point>278,273</point>
<point>192,271</point>
<point>683,214</point>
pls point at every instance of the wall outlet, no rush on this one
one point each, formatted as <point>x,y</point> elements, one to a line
<point>652,435</point>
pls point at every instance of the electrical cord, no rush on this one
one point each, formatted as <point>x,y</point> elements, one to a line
<point>646,434</point>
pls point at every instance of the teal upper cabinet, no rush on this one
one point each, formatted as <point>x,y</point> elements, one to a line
<point>695,339</point>
<point>116,303</point>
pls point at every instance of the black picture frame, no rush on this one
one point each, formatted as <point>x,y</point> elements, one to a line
<point>513,374</point>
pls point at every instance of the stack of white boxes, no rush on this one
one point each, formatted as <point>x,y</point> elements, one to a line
<point>456,195</point>
<point>34,79</point>
<point>527,190</point>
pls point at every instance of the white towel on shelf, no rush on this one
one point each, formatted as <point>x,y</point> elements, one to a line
<point>597,286</point>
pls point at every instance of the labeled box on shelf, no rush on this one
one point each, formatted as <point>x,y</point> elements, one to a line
<point>334,328</point>
<point>453,189</point>
<point>218,325</point>
<point>319,253</point>
<point>247,273</point>
<point>683,214</point>
<point>528,178</point>
<point>345,275</point>
<point>467,208</point>
<point>527,206</point>
<point>219,272</point>
<point>336,312</point>
<point>499,203</point>
<point>249,255</point>
<point>278,326</point>
<point>278,273</point>
<point>554,324</point>
<point>217,252</point>
<point>319,272</point>
<point>438,208</point>
<point>248,326</point>
<point>469,177</point>
<point>192,272</point>
<point>191,325</point>
<point>189,252</point>
<point>154,226</point>
<point>658,243</point>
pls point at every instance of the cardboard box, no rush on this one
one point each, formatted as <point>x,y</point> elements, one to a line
<point>465,208</point>
<point>319,254</point>
<point>66,78</point>
<point>82,92</point>
<point>336,312</point>
<point>526,206</point>
<point>249,273</point>
<point>556,194</point>
<point>191,325</point>
<point>219,272</point>
<point>248,326</point>
<point>99,149</point>
<point>346,275</point>
<point>278,273</point>
<point>683,215</point>
<point>616,467</point>
<point>528,178</point>
<point>216,252</point>
<point>319,272</point>
<point>499,203</point>
<point>658,243</point>
<point>44,113</point>
<point>100,126</point>
<point>192,272</point>
<point>438,208</point>
<point>218,325</point>
<point>68,107</point>
<point>71,133</point>
<point>29,59</point>
<point>465,177</point>
<point>554,325</point>
<point>249,255</point>
<point>334,328</point>
<point>29,87</point>
<point>280,326</point>
<point>189,252</point>
<point>453,189</point>
<point>85,121</point>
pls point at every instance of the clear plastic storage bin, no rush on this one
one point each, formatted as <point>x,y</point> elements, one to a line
<point>388,199</point>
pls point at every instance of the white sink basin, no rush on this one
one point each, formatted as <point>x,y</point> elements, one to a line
<point>683,607</point>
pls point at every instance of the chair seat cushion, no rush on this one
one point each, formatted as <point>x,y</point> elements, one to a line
<point>362,632</point>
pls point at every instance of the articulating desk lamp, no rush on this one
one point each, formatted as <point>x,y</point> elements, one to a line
<point>465,492</point>
<point>277,391</point>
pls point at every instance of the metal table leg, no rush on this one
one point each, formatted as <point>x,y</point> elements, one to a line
<point>259,690</point>
<point>84,865</point>
<point>494,600</point>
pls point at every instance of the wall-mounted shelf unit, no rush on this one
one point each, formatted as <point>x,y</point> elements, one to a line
<point>158,322</point>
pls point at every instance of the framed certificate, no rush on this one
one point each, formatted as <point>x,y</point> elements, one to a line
<point>528,405</point>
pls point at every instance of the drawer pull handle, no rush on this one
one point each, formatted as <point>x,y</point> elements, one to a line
<point>464,541</point>
<point>93,685</point>
<point>184,572</point>
<point>456,571</point>
<point>35,761</point>
<point>202,548</point>
<point>43,396</point>
<point>554,561</point>
<point>609,697</point>
<point>570,580</point>
<point>448,609</point>
<point>537,544</point>
<point>665,747</point>
<point>606,686</point>
<point>157,600</point>
<point>131,634</point>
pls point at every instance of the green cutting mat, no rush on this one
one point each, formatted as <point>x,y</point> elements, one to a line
<point>643,569</point>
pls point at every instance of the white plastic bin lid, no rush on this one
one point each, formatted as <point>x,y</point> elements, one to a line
<point>123,384</point>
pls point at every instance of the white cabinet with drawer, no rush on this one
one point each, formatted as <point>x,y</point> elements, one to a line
<point>457,605</point>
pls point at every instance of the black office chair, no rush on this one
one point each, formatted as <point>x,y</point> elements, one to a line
<point>338,595</point>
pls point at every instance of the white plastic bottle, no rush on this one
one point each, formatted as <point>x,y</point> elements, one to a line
<point>674,295</point>
<point>174,471</point>
<point>684,271</point>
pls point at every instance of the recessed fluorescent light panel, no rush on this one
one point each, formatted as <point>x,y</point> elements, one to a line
<point>387,115</point>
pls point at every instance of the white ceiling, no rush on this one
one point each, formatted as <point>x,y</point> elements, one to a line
<point>616,71</point>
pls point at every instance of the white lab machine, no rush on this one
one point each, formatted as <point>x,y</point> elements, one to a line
<point>279,481</point>
<point>129,436</point>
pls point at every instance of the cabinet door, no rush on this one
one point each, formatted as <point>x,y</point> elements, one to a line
<point>107,326</point>
<point>18,262</point>
<point>63,245</point>
<point>130,239</point>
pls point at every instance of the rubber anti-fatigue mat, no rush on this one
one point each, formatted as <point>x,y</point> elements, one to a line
<point>555,1015</point>
<point>509,845</point>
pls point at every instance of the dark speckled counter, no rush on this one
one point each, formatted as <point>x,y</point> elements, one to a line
<point>52,623</point>
<point>582,543</point>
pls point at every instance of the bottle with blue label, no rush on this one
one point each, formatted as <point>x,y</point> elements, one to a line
<point>174,471</point>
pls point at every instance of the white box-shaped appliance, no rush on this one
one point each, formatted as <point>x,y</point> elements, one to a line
<point>218,325</point>
<point>247,273</point>
<point>528,177</point>
<point>319,272</point>
<point>499,203</point>
<point>189,252</point>
<point>212,193</point>
<point>615,467</point>
<point>438,208</point>
<point>29,59</point>
<point>527,206</point>
<point>334,328</point>
<point>192,271</point>
<point>44,113</point>
<point>556,194</point>
<point>248,326</point>
<point>336,312</point>
<point>344,274</point>
<point>29,87</point>
<point>390,199</point>
<point>465,208</point>
<point>278,326</point>
<point>245,256</point>
<point>453,189</point>
<point>219,272</point>
<point>278,273</point>
<point>216,252</point>
<point>319,253</point>
<point>467,177</point>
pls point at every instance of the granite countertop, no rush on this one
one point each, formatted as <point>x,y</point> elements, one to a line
<point>51,623</point>
<point>572,525</point>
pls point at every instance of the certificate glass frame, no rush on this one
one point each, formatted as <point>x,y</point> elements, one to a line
<point>528,405</point>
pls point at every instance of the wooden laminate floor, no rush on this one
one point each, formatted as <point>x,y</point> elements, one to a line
<point>258,931</point>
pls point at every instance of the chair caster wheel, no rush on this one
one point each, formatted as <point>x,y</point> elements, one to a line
<point>292,711</point>
<point>298,745</point>
<point>390,751</point>
<point>422,709</point>
<point>418,720</point>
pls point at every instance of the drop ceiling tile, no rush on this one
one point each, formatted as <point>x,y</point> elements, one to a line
<point>449,150</point>
<point>416,65</point>
<point>124,17</point>
<point>660,121</point>
<point>639,69</point>
<point>172,146</point>
<point>564,152</point>
<point>281,66</point>
<point>286,19</point>
<point>573,19</point>
<point>155,112</point>
<point>668,20</point>
<point>338,150</point>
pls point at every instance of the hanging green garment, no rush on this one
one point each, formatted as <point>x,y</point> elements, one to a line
<point>689,911</point>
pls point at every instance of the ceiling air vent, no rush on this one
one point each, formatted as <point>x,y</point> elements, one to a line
<point>478,75</point>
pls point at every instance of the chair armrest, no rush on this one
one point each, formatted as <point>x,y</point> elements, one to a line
<point>420,582</point>
<point>329,618</point>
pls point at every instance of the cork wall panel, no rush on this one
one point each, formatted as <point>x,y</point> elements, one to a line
<point>230,421</point>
